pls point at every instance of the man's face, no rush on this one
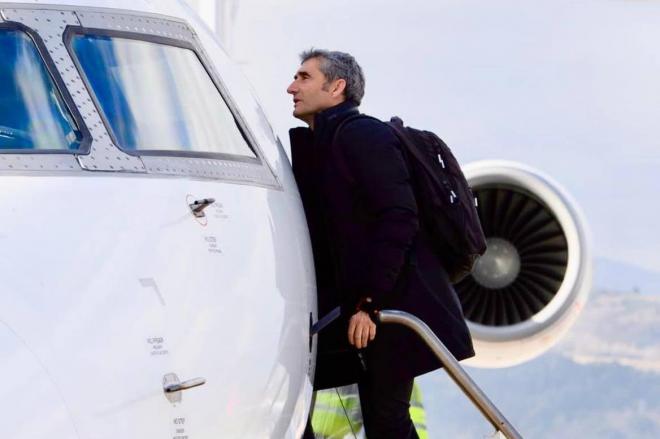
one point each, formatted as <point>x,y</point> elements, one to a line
<point>311,92</point>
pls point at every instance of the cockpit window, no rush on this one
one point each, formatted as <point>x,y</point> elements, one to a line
<point>157,97</point>
<point>33,115</point>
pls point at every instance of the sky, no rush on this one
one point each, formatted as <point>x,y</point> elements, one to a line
<point>569,87</point>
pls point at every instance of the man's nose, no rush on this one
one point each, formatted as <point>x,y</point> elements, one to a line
<point>291,89</point>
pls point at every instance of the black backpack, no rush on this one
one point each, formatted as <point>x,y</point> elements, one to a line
<point>447,207</point>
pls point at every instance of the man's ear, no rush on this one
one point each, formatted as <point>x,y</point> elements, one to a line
<point>338,88</point>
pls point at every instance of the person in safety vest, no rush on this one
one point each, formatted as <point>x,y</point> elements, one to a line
<point>337,413</point>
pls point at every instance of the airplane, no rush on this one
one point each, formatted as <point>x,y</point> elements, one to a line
<point>157,271</point>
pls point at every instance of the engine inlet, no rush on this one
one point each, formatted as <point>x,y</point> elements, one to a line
<point>525,263</point>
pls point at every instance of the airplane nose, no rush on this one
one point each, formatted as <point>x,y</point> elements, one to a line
<point>31,393</point>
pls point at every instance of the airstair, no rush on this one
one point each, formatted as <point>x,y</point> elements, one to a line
<point>503,428</point>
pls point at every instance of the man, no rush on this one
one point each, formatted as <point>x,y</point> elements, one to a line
<point>369,250</point>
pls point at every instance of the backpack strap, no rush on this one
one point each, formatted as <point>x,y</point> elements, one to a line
<point>341,162</point>
<point>396,125</point>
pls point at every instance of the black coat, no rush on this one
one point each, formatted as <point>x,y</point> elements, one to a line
<point>365,233</point>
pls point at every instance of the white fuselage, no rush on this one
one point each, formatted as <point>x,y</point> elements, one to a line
<point>111,286</point>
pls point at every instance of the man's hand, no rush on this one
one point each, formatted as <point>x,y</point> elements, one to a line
<point>361,330</point>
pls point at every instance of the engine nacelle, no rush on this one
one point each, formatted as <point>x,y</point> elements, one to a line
<point>531,284</point>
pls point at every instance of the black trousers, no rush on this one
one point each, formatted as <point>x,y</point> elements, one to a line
<point>385,403</point>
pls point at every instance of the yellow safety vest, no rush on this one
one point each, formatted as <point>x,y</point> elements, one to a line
<point>337,413</point>
<point>417,412</point>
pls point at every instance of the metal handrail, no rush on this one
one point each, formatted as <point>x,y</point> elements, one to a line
<point>455,371</point>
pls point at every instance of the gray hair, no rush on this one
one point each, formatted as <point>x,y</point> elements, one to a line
<point>339,65</point>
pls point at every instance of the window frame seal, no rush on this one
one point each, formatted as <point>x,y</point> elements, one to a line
<point>72,31</point>
<point>62,90</point>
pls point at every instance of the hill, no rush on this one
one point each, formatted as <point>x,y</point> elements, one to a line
<point>602,380</point>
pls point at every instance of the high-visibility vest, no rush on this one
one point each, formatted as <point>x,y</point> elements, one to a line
<point>337,413</point>
<point>417,412</point>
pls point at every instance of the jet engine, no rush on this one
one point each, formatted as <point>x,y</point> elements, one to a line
<point>531,284</point>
